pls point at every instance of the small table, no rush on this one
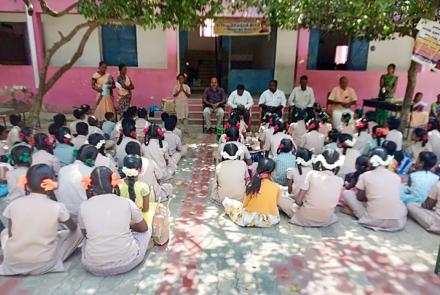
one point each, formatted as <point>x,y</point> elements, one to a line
<point>382,104</point>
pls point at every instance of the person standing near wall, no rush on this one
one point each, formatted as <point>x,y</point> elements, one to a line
<point>241,102</point>
<point>103,84</point>
<point>125,86</point>
<point>342,98</point>
<point>181,93</point>
<point>214,99</point>
<point>388,84</point>
<point>272,100</point>
<point>301,98</point>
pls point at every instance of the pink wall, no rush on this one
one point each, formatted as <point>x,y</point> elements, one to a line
<point>365,83</point>
<point>74,87</point>
<point>18,5</point>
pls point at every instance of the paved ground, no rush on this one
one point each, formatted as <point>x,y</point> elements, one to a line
<point>208,254</point>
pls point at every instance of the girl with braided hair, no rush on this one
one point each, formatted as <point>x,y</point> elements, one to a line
<point>156,148</point>
<point>32,243</point>
<point>117,236</point>
<point>419,143</point>
<point>70,191</point>
<point>314,140</point>
<point>64,149</point>
<point>19,158</point>
<point>126,134</point>
<point>44,154</point>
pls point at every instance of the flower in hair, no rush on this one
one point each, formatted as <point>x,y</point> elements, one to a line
<point>361,124</point>
<point>227,138</point>
<point>23,181</point>
<point>67,138</point>
<point>323,161</point>
<point>100,144</point>
<point>115,180</point>
<point>377,161</point>
<point>227,156</point>
<point>281,146</point>
<point>146,129</point>
<point>130,172</point>
<point>228,125</point>
<point>133,134</point>
<point>49,184</point>
<point>348,143</point>
<point>86,181</point>
<point>302,162</point>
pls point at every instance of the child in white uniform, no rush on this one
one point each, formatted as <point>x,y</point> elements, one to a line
<point>314,140</point>
<point>21,161</point>
<point>345,149</point>
<point>44,153</point>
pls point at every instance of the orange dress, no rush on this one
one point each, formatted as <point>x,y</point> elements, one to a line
<point>104,100</point>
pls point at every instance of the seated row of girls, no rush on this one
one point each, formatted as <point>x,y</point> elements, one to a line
<point>272,141</point>
<point>318,195</point>
<point>376,203</point>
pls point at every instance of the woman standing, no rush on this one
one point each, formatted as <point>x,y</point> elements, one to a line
<point>181,93</point>
<point>388,84</point>
<point>125,86</point>
<point>103,84</point>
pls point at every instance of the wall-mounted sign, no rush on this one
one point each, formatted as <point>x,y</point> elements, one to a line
<point>241,26</point>
<point>427,44</point>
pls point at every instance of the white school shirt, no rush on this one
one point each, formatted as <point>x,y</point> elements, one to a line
<point>246,99</point>
<point>154,152</point>
<point>70,190</point>
<point>13,136</point>
<point>397,137</point>
<point>35,220</point>
<point>120,149</point>
<point>275,141</point>
<point>349,165</point>
<point>273,99</point>
<point>107,219</point>
<point>314,141</point>
<point>362,140</point>
<point>13,178</point>
<point>94,129</point>
<point>43,157</point>
<point>106,161</point>
<point>79,141</point>
<point>302,98</point>
<point>434,140</point>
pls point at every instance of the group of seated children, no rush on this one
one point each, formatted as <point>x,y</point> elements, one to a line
<point>101,185</point>
<point>308,168</point>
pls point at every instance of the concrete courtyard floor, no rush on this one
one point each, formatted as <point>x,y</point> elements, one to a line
<point>208,254</point>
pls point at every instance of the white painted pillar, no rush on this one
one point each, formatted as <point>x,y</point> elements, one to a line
<point>33,47</point>
<point>285,57</point>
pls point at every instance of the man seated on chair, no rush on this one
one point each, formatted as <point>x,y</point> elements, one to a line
<point>272,100</point>
<point>214,99</point>
<point>342,99</point>
<point>241,102</point>
<point>302,98</point>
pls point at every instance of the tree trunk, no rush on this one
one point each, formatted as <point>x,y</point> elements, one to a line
<point>409,93</point>
<point>36,107</point>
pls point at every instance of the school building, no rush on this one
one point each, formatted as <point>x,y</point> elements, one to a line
<point>156,56</point>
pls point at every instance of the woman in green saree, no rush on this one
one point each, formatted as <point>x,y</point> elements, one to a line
<point>388,84</point>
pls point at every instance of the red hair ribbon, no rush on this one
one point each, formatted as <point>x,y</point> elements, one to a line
<point>227,138</point>
<point>115,180</point>
<point>429,126</point>
<point>22,135</point>
<point>361,125</point>
<point>66,139</point>
<point>121,132</point>
<point>49,184</point>
<point>86,181</point>
<point>381,132</point>
<point>237,125</point>
<point>160,132</point>
<point>32,142</point>
<point>276,127</point>
<point>227,125</point>
<point>133,134</point>
<point>281,146</point>
<point>270,120</point>
<point>146,130</point>
<point>264,175</point>
<point>312,126</point>
<point>47,141</point>
<point>345,145</point>
<point>425,137</point>
<point>23,181</point>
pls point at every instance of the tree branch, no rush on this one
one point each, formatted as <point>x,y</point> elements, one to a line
<point>46,9</point>
<point>73,59</point>
<point>57,45</point>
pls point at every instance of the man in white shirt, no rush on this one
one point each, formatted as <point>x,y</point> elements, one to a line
<point>301,98</point>
<point>272,100</point>
<point>241,102</point>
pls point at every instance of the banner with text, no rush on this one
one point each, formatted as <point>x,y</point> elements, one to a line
<point>241,26</point>
<point>427,44</point>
